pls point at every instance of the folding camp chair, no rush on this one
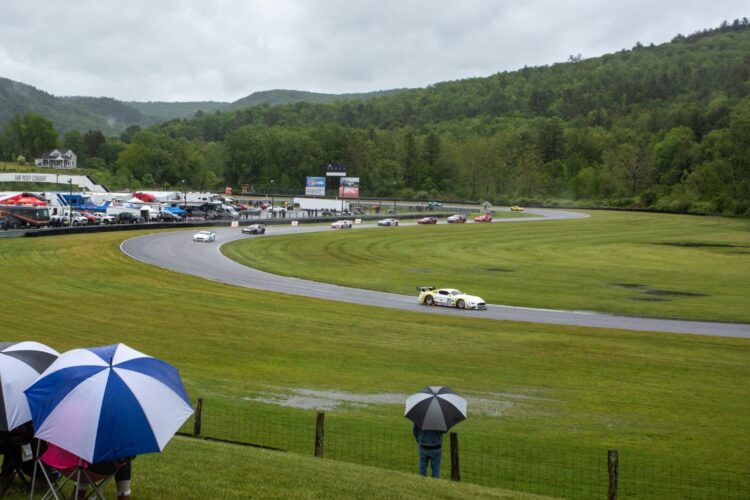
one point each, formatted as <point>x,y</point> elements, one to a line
<point>75,481</point>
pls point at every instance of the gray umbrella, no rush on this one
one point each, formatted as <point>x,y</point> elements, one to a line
<point>20,365</point>
<point>435,408</point>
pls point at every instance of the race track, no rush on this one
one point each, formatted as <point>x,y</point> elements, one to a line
<point>177,252</point>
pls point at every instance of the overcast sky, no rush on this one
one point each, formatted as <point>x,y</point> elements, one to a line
<point>221,50</point>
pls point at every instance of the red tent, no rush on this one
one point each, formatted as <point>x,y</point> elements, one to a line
<point>24,199</point>
<point>146,197</point>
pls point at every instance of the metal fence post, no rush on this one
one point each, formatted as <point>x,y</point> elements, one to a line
<point>319,432</point>
<point>198,417</point>
<point>455,470</point>
<point>612,466</point>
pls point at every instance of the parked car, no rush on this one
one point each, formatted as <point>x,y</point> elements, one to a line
<point>427,220</point>
<point>167,216</point>
<point>516,208</point>
<point>449,297</point>
<point>103,218</point>
<point>278,210</point>
<point>254,229</point>
<point>251,211</point>
<point>79,219</point>
<point>342,224</point>
<point>388,222</point>
<point>483,218</point>
<point>8,223</point>
<point>204,236</point>
<point>456,219</point>
<point>128,218</point>
<point>91,218</point>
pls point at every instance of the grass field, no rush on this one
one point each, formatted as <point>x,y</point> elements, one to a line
<point>656,397</point>
<point>199,469</point>
<point>627,263</point>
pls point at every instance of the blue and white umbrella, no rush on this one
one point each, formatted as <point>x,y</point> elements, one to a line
<point>108,402</point>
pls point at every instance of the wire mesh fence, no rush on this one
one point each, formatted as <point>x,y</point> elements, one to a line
<point>484,459</point>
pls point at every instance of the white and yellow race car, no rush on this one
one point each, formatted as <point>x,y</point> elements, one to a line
<point>449,297</point>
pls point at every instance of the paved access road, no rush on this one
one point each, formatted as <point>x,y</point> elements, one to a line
<point>176,251</point>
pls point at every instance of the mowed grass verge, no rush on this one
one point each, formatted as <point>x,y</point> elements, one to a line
<point>653,396</point>
<point>191,468</point>
<point>627,263</point>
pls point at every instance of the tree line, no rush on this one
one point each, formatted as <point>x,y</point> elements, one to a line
<point>664,127</point>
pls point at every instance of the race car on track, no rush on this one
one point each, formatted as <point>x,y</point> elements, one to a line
<point>456,219</point>
<point>427,220</point>
<point>388,222</point>
<point>516,208</point>
<point>204,236</point>
<point>449,297</point>
<point>483,218</point>
<point>342,224</point>
<point>254,229</point>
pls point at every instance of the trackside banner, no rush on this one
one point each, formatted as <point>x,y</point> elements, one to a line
<point>315,186</point>
<point>349,187</point>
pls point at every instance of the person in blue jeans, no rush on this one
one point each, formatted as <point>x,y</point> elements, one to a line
<point>430,450</point>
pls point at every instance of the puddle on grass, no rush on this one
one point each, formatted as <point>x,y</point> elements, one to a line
<point>628,285</point>
<point>673,293</point>
<point>657,295</point>
<point>491,404</point>
<point>699,244</point>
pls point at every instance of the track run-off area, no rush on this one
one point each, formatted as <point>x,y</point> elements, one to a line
<point>176,251</point>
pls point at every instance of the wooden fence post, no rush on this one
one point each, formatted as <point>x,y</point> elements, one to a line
<point>319,431</point>
<point>198,417</point>
<point>455,469</point>
<point>612,465</point>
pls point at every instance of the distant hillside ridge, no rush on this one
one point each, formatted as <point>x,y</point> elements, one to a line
<point>112,116</point>
<point>278,97</point>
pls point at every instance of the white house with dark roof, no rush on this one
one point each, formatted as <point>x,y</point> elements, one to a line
<point>58,159</point>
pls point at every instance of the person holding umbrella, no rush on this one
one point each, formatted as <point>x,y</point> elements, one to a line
<point>20,365</point>
<point>108,403</point>
<point>430,450</point>
<point>433,411</point>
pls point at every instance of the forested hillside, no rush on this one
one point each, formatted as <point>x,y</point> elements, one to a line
<point>663,126</point>
<point>277,97</point>
<point>112,117</point>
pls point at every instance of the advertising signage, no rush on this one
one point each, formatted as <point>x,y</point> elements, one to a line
<point>335,170</point>
<point>349,187</point>
<point>315,186</point>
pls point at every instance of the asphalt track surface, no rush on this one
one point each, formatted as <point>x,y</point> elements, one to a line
<point>177,252</point>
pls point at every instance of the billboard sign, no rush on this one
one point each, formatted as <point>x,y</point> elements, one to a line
<point>315,186</point>
<point>349,187</point>
<point>335,170</point>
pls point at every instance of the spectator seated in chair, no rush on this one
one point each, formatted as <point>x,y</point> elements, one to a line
<point>97,474</point>
<point>17,447</point>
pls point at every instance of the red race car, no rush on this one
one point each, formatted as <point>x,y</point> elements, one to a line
<point>427,220</point>
<point>483,218</point>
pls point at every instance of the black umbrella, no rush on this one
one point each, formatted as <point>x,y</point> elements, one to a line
<point>20,365</point>
<point>435,408</point>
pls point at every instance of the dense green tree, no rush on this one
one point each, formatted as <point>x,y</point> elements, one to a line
<point>30,135</point>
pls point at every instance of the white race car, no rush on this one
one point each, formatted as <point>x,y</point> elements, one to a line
<point>204,236</point>
<point>342,224</point>
<point>388,222</point>
<point>450,297</point>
